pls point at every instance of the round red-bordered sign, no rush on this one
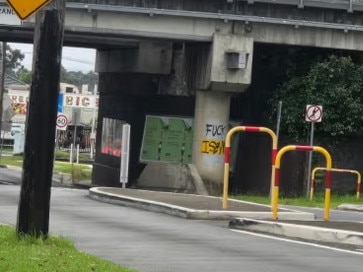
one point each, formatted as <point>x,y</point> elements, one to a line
<point>62,121</point>
<point>313,113</point>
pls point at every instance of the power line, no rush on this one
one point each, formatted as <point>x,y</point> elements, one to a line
<point>69,58</point>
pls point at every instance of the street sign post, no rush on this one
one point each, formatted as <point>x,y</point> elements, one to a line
<point>8,16</point>
<point>62,122</point>
<point>26,8</point>
<point>313,114</point>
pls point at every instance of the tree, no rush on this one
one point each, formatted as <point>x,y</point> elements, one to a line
<point>79,78</point>
<point>13,60</point>
<point>24,75</point>
<point>337,85</point>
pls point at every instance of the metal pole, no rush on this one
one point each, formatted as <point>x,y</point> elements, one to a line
<point>93,122</point>
<point>2,145</point>
<point>310,160</point>
<point>71,155</point>
<point>125,154</point>
<point>77,154</point>
<point>278,120</point>
<point>2,89</point>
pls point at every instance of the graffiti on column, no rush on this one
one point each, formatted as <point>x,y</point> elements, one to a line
<point>213,143</point>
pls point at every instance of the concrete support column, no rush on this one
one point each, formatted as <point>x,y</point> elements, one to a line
<point>211,120</point>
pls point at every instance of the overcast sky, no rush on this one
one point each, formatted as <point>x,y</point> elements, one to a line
<point>73,58</point>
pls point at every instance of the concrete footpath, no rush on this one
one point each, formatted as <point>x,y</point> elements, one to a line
<point>241,215</point>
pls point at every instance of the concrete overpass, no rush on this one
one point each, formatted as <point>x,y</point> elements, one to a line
<point>328,24</point>
<point>171,58</point>
<point>310,23</point>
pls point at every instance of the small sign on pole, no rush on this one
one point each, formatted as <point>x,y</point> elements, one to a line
<point>313,114</point>
<point>62,122</point>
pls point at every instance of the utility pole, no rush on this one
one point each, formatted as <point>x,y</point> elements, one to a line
<point>34,203</point>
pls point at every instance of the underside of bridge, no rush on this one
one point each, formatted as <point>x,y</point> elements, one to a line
<point>186,80</point>
<point>212,65</point>
<point>132,95</point>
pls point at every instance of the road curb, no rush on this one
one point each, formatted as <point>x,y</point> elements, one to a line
<point>155,206</point>
<point>304,232</point>
<point>350,207</point>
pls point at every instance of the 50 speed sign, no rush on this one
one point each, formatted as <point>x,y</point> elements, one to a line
<point>61,122</point>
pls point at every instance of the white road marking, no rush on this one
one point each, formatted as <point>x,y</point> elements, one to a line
<point>297,242</point>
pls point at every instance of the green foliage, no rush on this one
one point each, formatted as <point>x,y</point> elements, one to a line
<point>15,68</point>
<point>79,78</point>
<point>28,253</point>
<point>75,78</point>
<point>24,75</point>
<point>13,60</point>
<point>78,171</point>
<point>337,85</point>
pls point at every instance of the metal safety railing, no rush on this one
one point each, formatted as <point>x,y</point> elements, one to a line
<point>226,17</point>
<point>312,182</point>
<point>349,5</point>
<point>275,191</point>
<point>227,154</point>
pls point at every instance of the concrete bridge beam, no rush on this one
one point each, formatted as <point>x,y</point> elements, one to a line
<point>151,57</point>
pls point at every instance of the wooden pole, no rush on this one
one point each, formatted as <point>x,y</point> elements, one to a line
<point>34,204</point>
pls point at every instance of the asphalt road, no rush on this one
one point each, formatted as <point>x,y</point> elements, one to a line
<point>335,215</point>
<point>157,242</point>
<point>10,175</point>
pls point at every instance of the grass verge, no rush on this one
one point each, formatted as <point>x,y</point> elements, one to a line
<point>79,171</point>
<point>53,254</point>
<point>318,200</point>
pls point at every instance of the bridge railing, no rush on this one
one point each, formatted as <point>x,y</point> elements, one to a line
<point>160,3</point>
<point>222,10</point>
<point>349,5</point>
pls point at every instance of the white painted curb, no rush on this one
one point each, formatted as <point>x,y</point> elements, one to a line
<point>97,194</point>
<point>310,233</point>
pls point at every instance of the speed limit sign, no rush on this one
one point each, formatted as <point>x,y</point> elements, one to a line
<point>62,122</point>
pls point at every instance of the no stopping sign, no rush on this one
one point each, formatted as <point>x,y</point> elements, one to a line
<point>313,113</point>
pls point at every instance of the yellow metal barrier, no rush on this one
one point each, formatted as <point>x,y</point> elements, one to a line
<point>275,192</point>
<point>312,183</point>
<point>227,154</point>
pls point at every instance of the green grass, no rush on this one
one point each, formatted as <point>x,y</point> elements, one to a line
<point>52,254</point>
<point>64,155</point>
<point>318,200</point>
<point>16,160</point>
<point>80,171</point>
<point>6,149</point>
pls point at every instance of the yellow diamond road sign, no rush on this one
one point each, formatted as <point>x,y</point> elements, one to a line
<point>25,8</point>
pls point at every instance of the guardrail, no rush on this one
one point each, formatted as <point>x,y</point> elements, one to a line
<point>227,154</point>
<point>275,192</point>
<point>349,5</point>
<point>312,183</point>
<point>226,17</point>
